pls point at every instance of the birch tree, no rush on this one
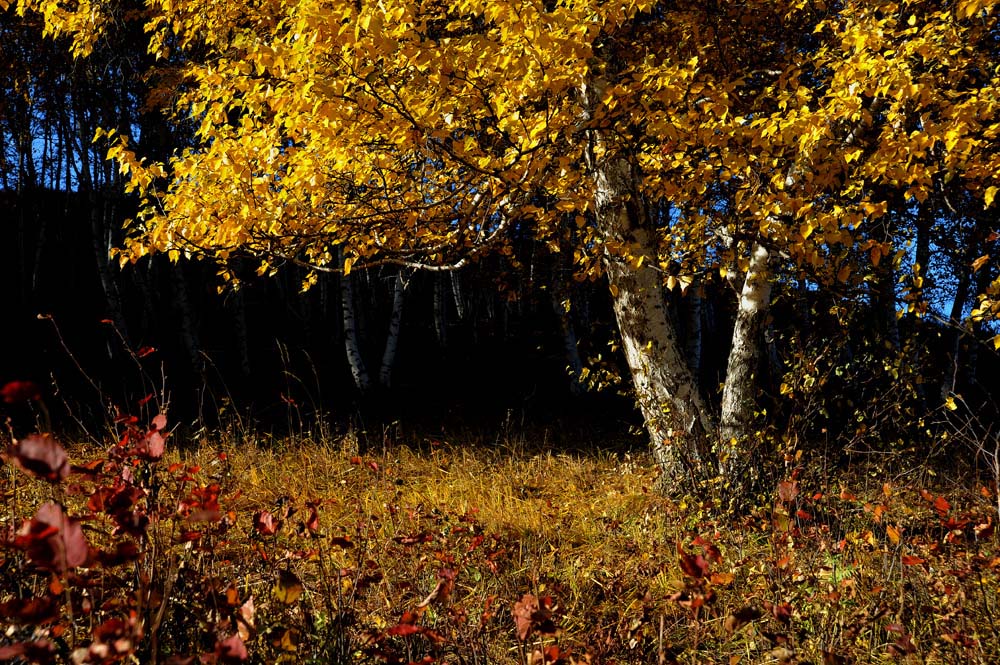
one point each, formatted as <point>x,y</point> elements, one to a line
<point>342,136</point>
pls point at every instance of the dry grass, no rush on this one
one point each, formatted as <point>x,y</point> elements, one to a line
<point>814,575</point>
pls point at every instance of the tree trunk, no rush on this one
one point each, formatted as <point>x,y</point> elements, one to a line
<point>680,426</point>
<point>100,228</point>
<point>440,305</point>
<point>182,304</point>
<point>560,306</point>
<point>739,396</point>
<point>885,300</point>
<point>692,346</point>
<point>456,290</point>
<point>957,331</point>
<point>238,308</point>
<point>392,338</point>
<point>925,222</point>
<point>351,345</point>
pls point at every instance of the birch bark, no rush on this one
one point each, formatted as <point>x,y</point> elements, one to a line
<point>678,421</point>
<point>351,344</point>
<point>392,338</point>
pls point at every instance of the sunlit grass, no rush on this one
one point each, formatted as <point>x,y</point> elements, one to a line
<point>824,571</point>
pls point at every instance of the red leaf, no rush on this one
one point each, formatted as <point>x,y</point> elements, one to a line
<point>553,654</point>
<point>312,522</point>
<point>342,541</point>
<point>534,615</point>
<point>41,455</point>
<point>33,611</point>
<point>909,560</point>
<point>20,391</point>
<point>736,621</point>
<point>782,612</point>
<point>941,506</point>
<point>693,565</point>
<point>244,620</point>
<point>266,523</point>
<point>524,611</point>
<point>41,651</point>
<point>231,650</point>
<point>422,537</point>
<point>124,552</point>
<point>155,445</point>
<point>403,630</point>
<point>145,351</point>
<point>91,468</point>
<point>52,540</point>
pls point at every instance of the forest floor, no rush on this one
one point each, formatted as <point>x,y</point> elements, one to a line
<point>440,551</point>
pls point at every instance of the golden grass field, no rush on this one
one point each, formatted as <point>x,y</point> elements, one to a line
<point>440,551</point>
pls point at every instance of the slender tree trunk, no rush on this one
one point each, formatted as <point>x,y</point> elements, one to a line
<point>456,290</point>
<point>100,229</point>
<point>140,273</point>
<point>351,344</point>
<point>957,332</point>
<point>392,338</point>
<point>560,306</point>
<point>970,368</point>
<point>182,305</point>
<point>885,300</point>
<point>692,345</point>
<point>925,222</point>
<point>680,426</point>
<point>739,396</point>
<point>238,308</point>
<point>440,304</point>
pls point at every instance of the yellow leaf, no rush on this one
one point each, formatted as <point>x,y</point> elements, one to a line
<point>348,262</point>
<point>991,192</point>
<point>978,263</point>
<point>288,589</point>
<point>806,230</point>
<point>950,404</point>
<point>288,639</point>
<point>893,534</point>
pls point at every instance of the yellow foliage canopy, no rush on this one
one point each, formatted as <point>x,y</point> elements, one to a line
<point>423,133</point>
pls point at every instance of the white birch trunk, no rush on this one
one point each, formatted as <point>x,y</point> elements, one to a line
<point>739,396</point>
<point>678,421</point>
<point>392,339</point>
<point>351,345</point>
